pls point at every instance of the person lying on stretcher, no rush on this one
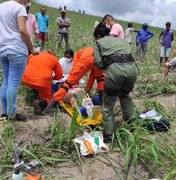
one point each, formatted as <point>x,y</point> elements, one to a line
<point>83,62</point>
<point>76,97</point>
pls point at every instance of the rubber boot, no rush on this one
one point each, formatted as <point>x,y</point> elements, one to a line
<point>50,109</point>
<point>100,93</point>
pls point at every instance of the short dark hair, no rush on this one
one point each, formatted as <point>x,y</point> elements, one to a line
<point>101,30</point>
<point>130,25</point>
<point>70,52</point>
<point>107,16</point>
<point>168,24</point>
<point>43,8</point>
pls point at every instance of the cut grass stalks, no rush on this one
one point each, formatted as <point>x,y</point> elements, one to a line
<point>171,175</point>
<point>137,149</point>
<point>81,31</point>
<point>64,136</point>
<point>6,139</point>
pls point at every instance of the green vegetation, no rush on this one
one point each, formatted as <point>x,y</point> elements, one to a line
<point>155,152</point>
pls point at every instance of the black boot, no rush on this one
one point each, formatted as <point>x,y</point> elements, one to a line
<point>3,117</point>
<point>100,93</point>
<point>107,138</point>
<point>51,107</point>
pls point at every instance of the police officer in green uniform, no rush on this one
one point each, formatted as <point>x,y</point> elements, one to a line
<point>114,56</point>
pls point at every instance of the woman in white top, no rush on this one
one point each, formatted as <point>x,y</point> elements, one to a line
<point>14,45</point>
<point>66,63</point>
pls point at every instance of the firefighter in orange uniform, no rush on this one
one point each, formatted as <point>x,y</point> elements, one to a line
<point>82,63</point>
<point>95,75</point>
<point>39,73</point>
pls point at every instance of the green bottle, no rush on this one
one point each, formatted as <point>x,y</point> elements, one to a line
<point>96,138</point>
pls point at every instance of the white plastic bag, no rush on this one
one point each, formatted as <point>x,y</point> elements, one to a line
<point>91,143</point>
<point>151,114</point>
<point>87,103</point>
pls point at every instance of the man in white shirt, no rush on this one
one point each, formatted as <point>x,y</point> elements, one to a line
<point>129,33</point>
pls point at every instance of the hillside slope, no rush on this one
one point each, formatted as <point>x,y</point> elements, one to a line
<point>81,29</point>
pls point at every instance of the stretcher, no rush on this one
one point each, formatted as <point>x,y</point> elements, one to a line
<point>86,121</point>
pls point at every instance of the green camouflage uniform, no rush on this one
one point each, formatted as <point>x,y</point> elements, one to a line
<point>119,79</point>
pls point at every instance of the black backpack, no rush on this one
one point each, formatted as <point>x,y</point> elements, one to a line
<point>161,125</point>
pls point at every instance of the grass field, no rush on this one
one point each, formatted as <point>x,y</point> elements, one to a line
<point>140,151</point>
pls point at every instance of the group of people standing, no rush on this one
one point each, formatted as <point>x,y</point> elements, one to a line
<point>165,38</point>
<point>109,60</point>
<point>38,24</point>
<point>142,37</point>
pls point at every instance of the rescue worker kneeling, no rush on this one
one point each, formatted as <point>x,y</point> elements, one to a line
<point>83,62</point>
<point>38,76</point>
<point>114,56</point>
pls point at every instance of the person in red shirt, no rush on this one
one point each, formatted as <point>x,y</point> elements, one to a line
<point>39,73</point>
<point>83,62</point>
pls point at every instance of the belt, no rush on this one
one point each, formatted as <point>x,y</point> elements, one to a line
<point>121,58</point>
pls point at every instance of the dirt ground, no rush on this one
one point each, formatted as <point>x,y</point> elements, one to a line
<point>105,166</point>
<point>98,168</point>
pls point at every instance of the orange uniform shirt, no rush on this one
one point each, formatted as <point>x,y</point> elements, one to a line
<point>82,63</point>
<point>39,71</point>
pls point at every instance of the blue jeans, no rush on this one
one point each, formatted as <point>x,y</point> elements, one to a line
<point>13,64</point>
<point>143,47</point>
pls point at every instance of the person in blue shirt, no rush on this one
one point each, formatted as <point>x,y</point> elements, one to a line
<point>142,40</point>
<point>42,22</point>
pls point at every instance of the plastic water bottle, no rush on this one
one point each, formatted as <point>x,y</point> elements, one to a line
<point>17,175</point>
<point>96,138</point>
<point>89,110</point>
<point>96,101</point>
<point>39,46</point>
<point>87,103</point>
<point>83,112</point>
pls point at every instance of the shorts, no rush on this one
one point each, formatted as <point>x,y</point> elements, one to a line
<point>42,36</point>
<point>172,63</point>
<point>165,52</point>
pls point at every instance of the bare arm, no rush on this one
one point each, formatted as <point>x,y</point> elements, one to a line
<point>113,35</point>
<point>59,24</point>
<point>159,37</point>
<point>173,54</point>
<point>67,25</point>
<point>172,37</point>
<point>24,34</point>
<point>62,25</point>
<point>37,36</point>
<point>36,30</point>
